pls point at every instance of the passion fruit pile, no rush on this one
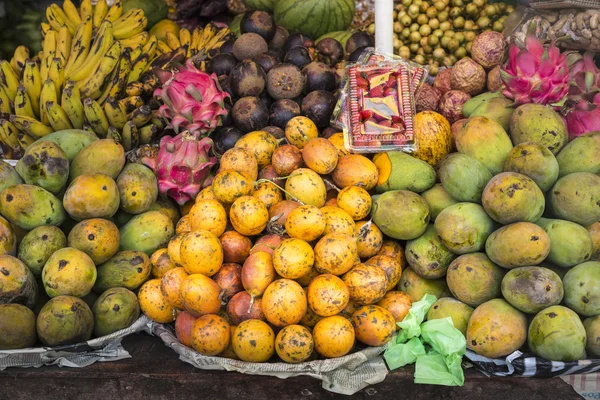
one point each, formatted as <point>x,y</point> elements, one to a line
<point>441,32</point>
<point>273,76</point>
<point>279,257</point>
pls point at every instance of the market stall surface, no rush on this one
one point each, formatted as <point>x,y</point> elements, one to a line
<point>155,372</point>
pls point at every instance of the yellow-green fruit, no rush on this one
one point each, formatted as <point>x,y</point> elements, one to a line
<point>464,227</point>
<point>46,165</point>
<point>474,279</point>
<point>400,214</point>
<point>39,244</point>
<point>416,287</point>
<point>455,309</point>
<point>537,123</point>
<point>485,140</point>
<point>167,207</point>
<point>557,334</point>
<point>138,188</point>
<point>115,309</point>
<point>17,283</point>
<point>17,327</point>
<point>535,161</point>
<point>438,199</point>
<point>71,141</point>
<point>127,269</point>
<point>531,289</point>
<point>576,197</point>
<point>428,256</point>
<point>69,272</point>
<point>463,177</point>
<point>161,28</point>
<point>594,231</point>
<point>121,218</point>
<point>511,197</point>
<point>8,239</point>
<point>582,288</point>
<point>400,171</point>
<point>496,329</point>
<point>570,243</point>
<point>104,156</point>
<point>29,206</point>
<point>592,330</point>
<point>580,155</point>
<point>65,320</point>
<point>147,232</point>
<point>497,108</point>
<point>96,237</point>
<point>518,245</point>
<point>92,196</point>
<point>8,176</point>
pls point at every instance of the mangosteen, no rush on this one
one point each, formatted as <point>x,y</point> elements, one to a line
<point>285,81</point>
<point>266,61</point>
<point>226,119</point>
<point>318,106</point>
<point>248,46</point>
<point>247,79</point>
<point>277,53</point>
<point>227,47</point>
<point>221,64</point>
<point>250,114</point>
<point>297,39</point>
<point>330,51</point>
<point>275,131</point>
<point>282,111</point>
<point>359,39</point>
<point>225,139</point>
<point>355,55</point>
<point>225,84</point>
<point>298,56</point>
<point>281,35</point>
<point>266,99</point>
<point>259,22</point>
<point>329,132</point>
<point>318,77</point>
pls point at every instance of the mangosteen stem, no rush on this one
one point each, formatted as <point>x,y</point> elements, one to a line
<point>280,188</point>
<point>250,304</point>
<point>331,185</point>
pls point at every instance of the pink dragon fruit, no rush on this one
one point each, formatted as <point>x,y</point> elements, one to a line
<point>582,108</point>
<point>192,99</point>
<point>182,166</point>
<point>534,73</point>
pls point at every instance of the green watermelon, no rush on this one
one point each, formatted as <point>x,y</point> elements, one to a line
<point>340,36</point>
<point>262,5</point>
<point>314,17</point>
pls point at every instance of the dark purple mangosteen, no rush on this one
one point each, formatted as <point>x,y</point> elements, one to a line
<point>282,111</point>
<point>298,39</point>
<point>266,61</point>
<point>247,79</point>
<point>329,132</point>
<point>259,22</point>
<point>221,64</point>
<point>226,119</point>
<point>277,53</point>
<point>266,99</point>
<point>225,139</point>
<point>319,76</point>
<point>250,114</point>
<point>281,35</point>
<point>275,131</point>
<point>318,106</point>
<point>227,47</point>
<point>355,55</point>
<point>298,56</point>
<point>225,84</point>
<point>359,39</point>
<point>330,51</point>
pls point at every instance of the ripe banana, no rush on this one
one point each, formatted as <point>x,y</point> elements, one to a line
<point>130,24</point>
<point>138,68</point>
<point>196,37</point>
<point>116,113</point>
<point>102,43</point>
<point>148,133</point>
<point>95,117</point>
<point>92,85</point>
<point>118,79</point>
<point>57,116</point>
<point>130,137</point>
<point>71,12</point>
<point>9,78</point>
<point>57,18</point>
<point>44,29</point>
<point>150,46</point>
<point>49,93</point>
<point>131,103</point>
<point>25,140</point>
<point>158,121</point>
<point>31,126</point>
<point>135,89</point>
<point>9,134</point>
<point>114,134</point>
<point>86,9</point>
<point>136,53</point>
<point>63,46</point>
<point>19,57</point>
<point>45,65</point>
<point>56,74</point>
<point>5,102</point>
<point>163,47</point>
<point>115,11</point>
<point>71,103</point>
<point>217,40</point>
<point>81,46</point>
<point>141,116</point>
<point>100,11</point>
<point>33,84</point>
<point>23,105</point>
<point>172,41</point>
<point>137,40</point>
<point>207,34</point>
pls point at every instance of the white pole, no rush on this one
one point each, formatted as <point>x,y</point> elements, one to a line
<point>384,26</point>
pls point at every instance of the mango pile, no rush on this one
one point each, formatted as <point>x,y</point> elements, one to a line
<point>77,228</point>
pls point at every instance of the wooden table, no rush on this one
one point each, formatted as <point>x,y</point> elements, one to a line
<point>155,372</point>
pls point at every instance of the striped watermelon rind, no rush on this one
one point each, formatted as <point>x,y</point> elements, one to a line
<point>314,18</point>
<point>340,36</point>
<point>261,5</point>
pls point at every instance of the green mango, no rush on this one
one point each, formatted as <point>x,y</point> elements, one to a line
<point>46,165</point>
<point>147,232</point>
<point>29,206</point>
<point>71,141</point>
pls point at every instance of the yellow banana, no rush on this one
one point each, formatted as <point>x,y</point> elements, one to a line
<point>45,65</point>
<point>135,88</point>
<point>141,116</point>
<point>31,126</point>
<point>163,48</point>
<point>131,103</point>
<point>196,38</point>
<point>220,36</point>
<point>102,43</point>
<point>115,11</point>
<point>130,24</point>
<point>23,105</point>
<point>71,103</point>
<point>33,84</point>
<point>9,134</point>
<point>172,41</point>
<point>118,79</point>
<point>150,46</point>
<point>44,29</point>
<point>130,137</point>
<point>5,102</point>
<point>49,93</point>
<point>94,115</point>
<point>57,18</point>
<point>25,140</point>
<point>81,46</point>
<point>63,46</point>
<point>135,54</point>
<point>137,40</point>
<point>138,68</point>
<point>92,85</point>
<point>114,134</point>
<point>158,121</point>
<point>86,9</point>
<point>185,38</point>
<point>56,74</point>
<point>57,116</point>
<point>207,34</point>
<point>9,78</point>
<point>148,133</point>
<point>100,11</point>
<point>20,55</point>
<point>115,113</point>
<point>71,12</point>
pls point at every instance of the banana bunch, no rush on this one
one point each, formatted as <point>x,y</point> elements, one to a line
<point>198,44</point>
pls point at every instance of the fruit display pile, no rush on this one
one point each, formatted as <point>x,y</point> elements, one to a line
<point>240,215</point>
